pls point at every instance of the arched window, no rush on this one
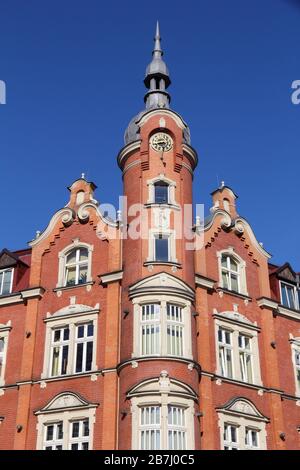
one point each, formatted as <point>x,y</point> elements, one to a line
<point>230,273</point>
<point>161,192</point>
<point>76,267</point>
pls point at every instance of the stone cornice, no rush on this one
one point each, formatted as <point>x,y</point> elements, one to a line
<point>111,277</point>
<point>202,281</point>
<point>22,296</point>
<point>265,302</point>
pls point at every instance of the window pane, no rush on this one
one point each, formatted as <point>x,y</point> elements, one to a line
<point>50,432</point>
<point>66,334</point>
<point>71,276</point>
<point>291,296</point>
<point>224,261</point>
<point>55,361</point>
<point>64,359</point>
<point>161,248</point>
<point>82,274</point>
<point>225,280</point>
<point>80,331</point>
<point>75,429</point>
<point>71,258</point>
<point>79,357</point>
<point>234,283</point>
<point>6,282</point>
<point>89,356</point>
<point>90,331</point>
<point>1,345</point>
<point>86,430</point>
<point>83,254</point>
<point>161,193</point>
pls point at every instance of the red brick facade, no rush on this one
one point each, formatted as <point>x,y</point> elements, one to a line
<point>122,279</point>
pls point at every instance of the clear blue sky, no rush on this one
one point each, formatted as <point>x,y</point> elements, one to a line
<point>74,74</point>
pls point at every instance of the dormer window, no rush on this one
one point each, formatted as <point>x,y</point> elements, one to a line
<point>161,193</point>
<point>76,267</point>
<point>290,296</point>
<point>6,278</point>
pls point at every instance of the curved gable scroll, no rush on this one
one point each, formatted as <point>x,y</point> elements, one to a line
<point>66,401</point>
<point>240,406</point>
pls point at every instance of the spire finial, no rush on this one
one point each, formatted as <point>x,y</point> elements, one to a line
<point>157,45</point>
<point>157,77</point>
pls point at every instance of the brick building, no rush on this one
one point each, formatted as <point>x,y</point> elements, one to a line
<point>165,340</point>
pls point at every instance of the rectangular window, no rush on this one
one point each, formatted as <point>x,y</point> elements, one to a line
<point>161,193</point>
<point>150,329</point>
<point>79,435</point>
<point>225,352</point>
<point>245,357</point>
<point>175,330</point>
<point>251,439</point>
<point>161,248</point>
<point>53,437</point>
<point>2,346</point>
<point>176,428</point>
<point>230,437</point>
<point>289,296</point>
<point>6,281</point>
<point>297,365</point>
<point>84,347</point>
<point>59,351</point>
<point>150,428</point>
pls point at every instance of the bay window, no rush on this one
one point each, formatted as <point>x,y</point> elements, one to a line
<point>162,414</point>
<point>162,328</point>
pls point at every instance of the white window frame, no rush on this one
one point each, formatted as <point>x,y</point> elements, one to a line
<point>81,439</point>
<point>55,441</point>
<point>171,190</point>
<point>62,256</point>
<point>163,401</point>
<point>295,346</point>
<point>86,339</point>
<point>242,281</point>
<point>53,323</point>
<point>227,429</point>
<point>242,424</point>
<point>163,301</point>
<point>223,347</point>
<point>11,280</point>
<point>4,333</point>
<point>236,330</point>
<point>66,417</point>
<point>296,294</point>
<point>170,235</point>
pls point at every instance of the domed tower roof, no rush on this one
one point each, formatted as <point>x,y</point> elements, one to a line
<point>157,80</point>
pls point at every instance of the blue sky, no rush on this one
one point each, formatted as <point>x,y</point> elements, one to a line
<point>74,74</point>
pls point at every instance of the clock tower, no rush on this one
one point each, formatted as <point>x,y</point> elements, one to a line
<point>158,344</point>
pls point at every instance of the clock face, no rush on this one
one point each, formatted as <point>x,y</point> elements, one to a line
<point>161,142</point>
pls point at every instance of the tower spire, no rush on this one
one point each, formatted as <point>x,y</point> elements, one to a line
<point>157,77</point>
